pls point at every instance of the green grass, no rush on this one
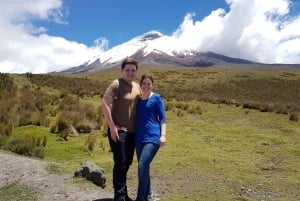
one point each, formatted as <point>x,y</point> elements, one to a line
<point>68,156</point>
<point>16,192</point>
<point>216,155</point>
<point>225,153</point>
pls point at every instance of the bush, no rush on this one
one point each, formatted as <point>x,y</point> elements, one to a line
<point>40,153</point>
<point>28,145</point>
<point>62,123</point>
<point>64,134</point>
<point>81,116</point>
<point>90,143</point>
<point>6,85</point>
<point>5,129</point>
<point>169,106</point>
<point>3,140</point>
<point>179,113</point>
<point>53,128</point>
<point>5,133</point>
<point>84,127</point>
<point>22,145</point>
<point>294,116</point>
<point>195,110</point>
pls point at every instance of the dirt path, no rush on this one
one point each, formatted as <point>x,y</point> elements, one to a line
<point>33,173</point>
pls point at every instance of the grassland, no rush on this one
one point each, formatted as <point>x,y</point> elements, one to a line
<point>229,133</point>
<point>16,192</point>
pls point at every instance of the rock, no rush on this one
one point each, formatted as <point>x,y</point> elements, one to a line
<point>93,173</point>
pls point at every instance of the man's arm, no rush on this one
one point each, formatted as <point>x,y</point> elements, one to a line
<point>106,110</point>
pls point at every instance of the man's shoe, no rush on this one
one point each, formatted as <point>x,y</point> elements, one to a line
<point>141,199</point>
<point>124,199</point>
<point>128,198</point>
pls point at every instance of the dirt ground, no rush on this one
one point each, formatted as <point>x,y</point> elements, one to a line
<point>33,173</point>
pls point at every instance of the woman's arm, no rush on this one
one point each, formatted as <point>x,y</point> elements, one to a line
<point>162,139</point>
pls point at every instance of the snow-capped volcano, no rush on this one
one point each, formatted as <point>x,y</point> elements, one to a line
<point>155,48</point>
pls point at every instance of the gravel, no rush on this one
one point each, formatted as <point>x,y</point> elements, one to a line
<point>33,173</point>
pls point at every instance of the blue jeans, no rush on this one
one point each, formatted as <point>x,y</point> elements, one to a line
<point>145,153</point>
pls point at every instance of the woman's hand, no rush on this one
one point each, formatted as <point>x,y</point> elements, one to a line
<point>162,140</point>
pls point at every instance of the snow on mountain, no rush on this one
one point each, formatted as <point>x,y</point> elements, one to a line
<point>127,49</point>
<point>155,48</point>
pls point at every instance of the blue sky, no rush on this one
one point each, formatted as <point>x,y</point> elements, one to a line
<point>46,35</point>
<point>119,21</point>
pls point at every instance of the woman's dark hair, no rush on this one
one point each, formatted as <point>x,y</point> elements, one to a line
<point>146,76</point>
<point>129,60</point>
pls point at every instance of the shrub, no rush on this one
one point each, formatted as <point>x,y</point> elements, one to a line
<point>5,129</point>
<point>3,140</point>
<point>62,123</point>
<point>195,110</point>
<point>45,121</point>
<point>22,145</point>
<point>99,119</point>
<point>23,118</point>
<point>294,116</point>
<point>282,109</point>
<point>251,105</point>
<point>28,145</point>
<point>90,143</point>
<point>84,127</point>
<point>5,133</point>
<point>36,118</point>
<point>53,128</point>
<point>179,113</point>
<point>169,106</point>
<point>64,134</point>
<point>44,142</point>
<point>6,85</point>
<point>67,102</point>
<point>40,153</point>
<point>104,127</point>
<point>81,116</point>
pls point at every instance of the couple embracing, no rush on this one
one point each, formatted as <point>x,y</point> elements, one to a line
<point>136,120</point>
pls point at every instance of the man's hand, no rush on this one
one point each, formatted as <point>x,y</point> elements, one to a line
<point>114,134</point>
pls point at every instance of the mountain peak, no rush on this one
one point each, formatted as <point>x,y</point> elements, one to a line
<point>151,35</point>
<point>148,49</point>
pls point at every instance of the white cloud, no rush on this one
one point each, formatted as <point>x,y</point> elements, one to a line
<point>26,48</point>
<point>266,31</point>
<point>102,43</point>
<point>258,30</point>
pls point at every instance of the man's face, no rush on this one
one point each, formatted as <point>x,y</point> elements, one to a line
<point>129,72</point>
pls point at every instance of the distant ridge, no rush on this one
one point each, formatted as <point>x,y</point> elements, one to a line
<point>147,49</point>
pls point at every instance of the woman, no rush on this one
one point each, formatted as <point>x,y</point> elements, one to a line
<point>150,133</point>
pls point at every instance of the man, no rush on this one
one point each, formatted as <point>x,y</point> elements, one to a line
<point>118,107</point>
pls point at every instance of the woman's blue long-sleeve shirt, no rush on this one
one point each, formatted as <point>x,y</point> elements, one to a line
<point>150,114</point>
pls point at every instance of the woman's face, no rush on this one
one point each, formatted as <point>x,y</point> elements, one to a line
<point>146,85</point>
<point>129,72</point>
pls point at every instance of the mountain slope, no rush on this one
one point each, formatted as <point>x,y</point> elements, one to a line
<point>152,48</point>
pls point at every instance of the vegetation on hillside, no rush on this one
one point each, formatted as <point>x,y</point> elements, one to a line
<point>233,133</point>
<point>62,112</point>
<point>78,86</point>
<point>266,90</point>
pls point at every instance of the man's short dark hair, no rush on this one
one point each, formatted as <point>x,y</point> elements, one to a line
<point>129,60</point>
